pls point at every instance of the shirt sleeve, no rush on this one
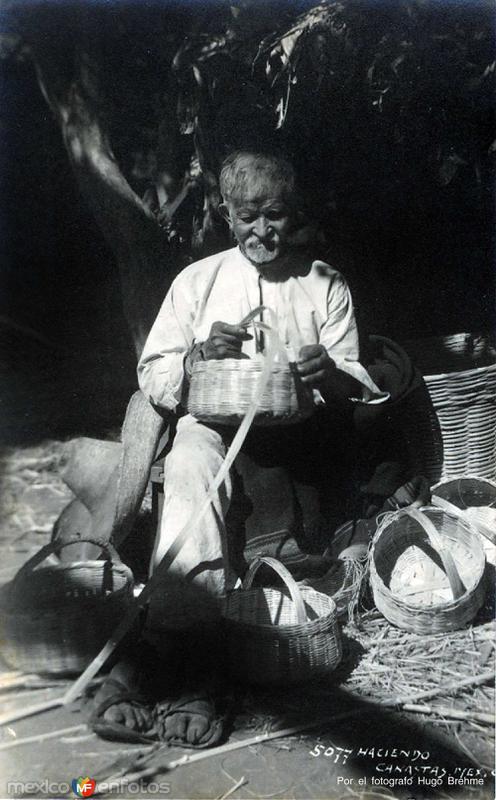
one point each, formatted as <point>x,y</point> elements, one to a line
<point>339,335</point>
<point>161,369</point>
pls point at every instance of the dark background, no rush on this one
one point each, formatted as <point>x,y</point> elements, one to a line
<point>417,249</point>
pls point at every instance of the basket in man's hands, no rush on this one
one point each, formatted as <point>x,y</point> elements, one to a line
<point>55,618</point>
<point>224,391</point>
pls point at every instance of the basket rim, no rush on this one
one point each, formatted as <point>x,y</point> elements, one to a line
<point>467,372</point>
<point>447,605</point>
<point>462,477</point>
<point>9,605</point>
<point>298,626</point>
<point>93,562</point>
<point>236,364</point>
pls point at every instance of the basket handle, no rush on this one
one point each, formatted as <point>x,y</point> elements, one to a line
<point>289,581</point>
<point>456,583</point>
<point>440,502</point>
<point>108,549</point>
<point>446,505</point>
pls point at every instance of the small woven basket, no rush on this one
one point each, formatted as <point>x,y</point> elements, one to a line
<point>426,570</point>
<point>221,392</point>
<point>56,619</point>
<point>274,638</point>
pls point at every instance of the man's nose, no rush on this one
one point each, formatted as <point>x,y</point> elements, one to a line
<point>262,227</point>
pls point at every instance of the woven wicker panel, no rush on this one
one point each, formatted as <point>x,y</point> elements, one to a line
<point>222,391</point>
<point>58,619</point>
<point>465,404</point>
<point>452,431</point>
<point>267,646</point>
<point>457,435</point>
<point>423,434</point>
<point>408,581</point>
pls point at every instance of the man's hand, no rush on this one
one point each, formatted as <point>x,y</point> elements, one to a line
<point>225,341</point>
<point>315,365</point>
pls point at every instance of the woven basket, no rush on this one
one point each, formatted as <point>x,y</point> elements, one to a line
<point>426,570</point>
<point>221,392</point>
<point>56,619</point>
<point>460,374</point>
<point>274,638</point>
<point>467,491</point>
<point>465,404</point>
<point>474,499</point>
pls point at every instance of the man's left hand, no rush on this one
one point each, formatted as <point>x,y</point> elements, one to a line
<point>315,365</point>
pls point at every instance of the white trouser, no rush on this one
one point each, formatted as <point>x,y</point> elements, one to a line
<point>200,573</point>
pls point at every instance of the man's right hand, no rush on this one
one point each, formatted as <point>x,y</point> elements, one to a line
<point>225,341</point>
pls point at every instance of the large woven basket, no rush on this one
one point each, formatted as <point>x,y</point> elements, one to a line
<point>426,570</point>
<point>221,392</point>
<point>55,619</point>
<point>460,374</point>
<point>280,637</point>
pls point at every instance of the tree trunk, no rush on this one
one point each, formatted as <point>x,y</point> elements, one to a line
<point>139,244</point>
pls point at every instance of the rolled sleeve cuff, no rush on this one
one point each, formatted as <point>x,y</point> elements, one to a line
<point>163,388</point>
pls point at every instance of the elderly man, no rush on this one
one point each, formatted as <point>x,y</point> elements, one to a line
<point>200,319</point>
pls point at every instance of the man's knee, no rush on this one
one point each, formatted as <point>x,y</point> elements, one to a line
<point>196,451</point>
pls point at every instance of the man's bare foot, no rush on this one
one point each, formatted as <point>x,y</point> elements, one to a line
<point>123,702</point>
<point>130,705</point>
<point>189,720</point>
<point>132,715</point>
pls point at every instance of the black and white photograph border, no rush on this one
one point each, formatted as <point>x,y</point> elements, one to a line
<point>248,396</point>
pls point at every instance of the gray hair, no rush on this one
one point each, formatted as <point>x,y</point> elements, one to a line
<point>244,168</point>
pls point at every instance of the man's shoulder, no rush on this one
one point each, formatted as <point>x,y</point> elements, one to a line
<point>322,271</point>
<point>203,270</point>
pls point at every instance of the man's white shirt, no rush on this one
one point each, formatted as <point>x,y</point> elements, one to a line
<point>314,307</point>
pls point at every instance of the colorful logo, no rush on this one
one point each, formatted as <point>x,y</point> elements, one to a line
<point>83,787</point>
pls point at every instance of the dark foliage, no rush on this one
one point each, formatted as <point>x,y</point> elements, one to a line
<point>385,108</point>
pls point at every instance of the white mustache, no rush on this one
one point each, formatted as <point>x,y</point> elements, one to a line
<point>267,243</point>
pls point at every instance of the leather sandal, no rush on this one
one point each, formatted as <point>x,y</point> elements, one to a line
<point>196,704</point>
<point>116,731</point>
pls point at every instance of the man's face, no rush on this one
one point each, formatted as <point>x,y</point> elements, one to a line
<point>261,224</point>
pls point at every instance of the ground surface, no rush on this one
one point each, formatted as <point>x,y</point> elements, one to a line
<point>327,762</point>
